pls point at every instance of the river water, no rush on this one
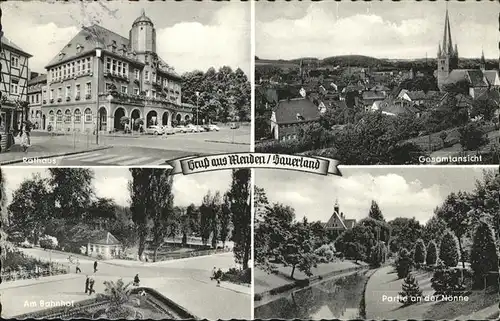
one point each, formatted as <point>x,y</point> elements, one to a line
<point>337,298</point>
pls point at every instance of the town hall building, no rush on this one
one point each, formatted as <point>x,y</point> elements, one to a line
<point>102,79</point>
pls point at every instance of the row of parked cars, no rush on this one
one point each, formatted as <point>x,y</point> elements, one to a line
<point>161,130</point>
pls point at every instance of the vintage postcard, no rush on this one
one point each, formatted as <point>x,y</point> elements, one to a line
<point>414,243</point>
<point>121,243</point>
<point>381,82</point>
<point>123,83</point>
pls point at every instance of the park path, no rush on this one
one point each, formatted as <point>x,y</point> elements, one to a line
<point>384,283</point>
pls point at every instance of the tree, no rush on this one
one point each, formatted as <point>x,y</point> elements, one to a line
<point>432,256</point>
<point>449,252</point>
<point>4,219</point>
<point>208,211</point>
<point>355,251</point>
<point>224,219</point>
<point>456,212</point>
<point>472,137</point>
<point>239,195</point>
<point>140,204</point>
<point>403,263</point>
<point>72,191</point>
<point>411,292</point>
<point>161,211</point>
<point>260,202</point>
<point>375,212</point>
<point>193,214</point>
<point>420,252</point>
<point>404,233</point>
<point>377,254</point>
<point>297,251</point>
<point>102,208</point>
<point>433,229</point>
<point>30,208</point>
<point>484,253</point>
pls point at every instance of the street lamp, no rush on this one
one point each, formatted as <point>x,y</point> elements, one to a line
<point>197,108</point>
<point>98,52</point>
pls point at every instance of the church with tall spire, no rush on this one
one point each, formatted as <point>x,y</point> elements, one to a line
<point>481,82</point>
<point>447,57</point>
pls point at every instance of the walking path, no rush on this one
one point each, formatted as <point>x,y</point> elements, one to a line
<point>381,300</point>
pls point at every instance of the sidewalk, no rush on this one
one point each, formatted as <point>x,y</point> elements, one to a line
<point>50,146</point>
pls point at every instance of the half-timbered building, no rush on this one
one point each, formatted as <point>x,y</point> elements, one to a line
<point>14,88</point>
<point>102,79</point>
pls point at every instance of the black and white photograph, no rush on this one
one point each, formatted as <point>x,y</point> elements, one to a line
<point>380,243</point>
<point>125,83</point>
<point>379,82</point>
<point>125,243</point>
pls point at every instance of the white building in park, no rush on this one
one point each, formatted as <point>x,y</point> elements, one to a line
<point>105,245</point>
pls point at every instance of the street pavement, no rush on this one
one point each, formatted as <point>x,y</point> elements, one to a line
<point>129,150</point>
<point>186,282</point>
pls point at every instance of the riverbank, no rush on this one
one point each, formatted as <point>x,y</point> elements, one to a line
<point>267,285</point>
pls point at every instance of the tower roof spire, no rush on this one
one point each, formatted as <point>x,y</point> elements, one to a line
<point>447,41</point>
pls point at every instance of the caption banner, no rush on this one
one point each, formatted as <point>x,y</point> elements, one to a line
<point>198,164</point>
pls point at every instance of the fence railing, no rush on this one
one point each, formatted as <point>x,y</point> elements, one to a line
<point>176,256</point>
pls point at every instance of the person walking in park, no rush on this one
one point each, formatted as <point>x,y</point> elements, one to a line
<point>78,270</point>
<point>87,283</point>
<point>214,272</point>
<point>91,286</point>
<point>136,280</point>
<point>95,266</point>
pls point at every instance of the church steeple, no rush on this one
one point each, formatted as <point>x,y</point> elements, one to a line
<point>447,53</point>
<point>482,64</point>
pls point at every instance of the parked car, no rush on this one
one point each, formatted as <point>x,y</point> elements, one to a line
<point>183,129</point>
<point>234,126</point>
<point>168,130</point>
<point>193,128</point>
<point>154,130</point>
<point>213,127</point>
<point>201,128</point>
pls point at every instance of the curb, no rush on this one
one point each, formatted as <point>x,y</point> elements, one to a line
<point>15,161</point>
<point>223,142</point>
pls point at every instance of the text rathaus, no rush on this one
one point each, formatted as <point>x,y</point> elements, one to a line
<point>101,79</point>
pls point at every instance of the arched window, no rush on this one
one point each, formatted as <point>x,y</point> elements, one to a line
<point>51,115</point>
<point>67,116</point>
<point>88,115</point>
<point>59,116</point>
<point>78,115</point>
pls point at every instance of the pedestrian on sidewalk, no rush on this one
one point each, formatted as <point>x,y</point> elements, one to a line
<point>91,286</point>
<point>78,270</point>
<point>95,266</point>
<point>24,140</point>
<point>87,283</point>
<point>136,280</point>
<point>214,272</point>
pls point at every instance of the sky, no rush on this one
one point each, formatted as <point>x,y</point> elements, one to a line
<point>112,182</point>
<point>399,192</point>
<point>381,29</point>
<point>190,35</point>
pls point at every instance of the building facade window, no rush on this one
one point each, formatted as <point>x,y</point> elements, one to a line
<point>59,116</point>
<point>88,115</point>
<point>67,116</point>
<point>51,116</point>
<point>78,116</point>
<point>14,86</point>
<point>59,92</point>
<point>88,89</point>
<point>68,91</point>
<point>77,90</point>
<point>52,94</point>
<point>136,74</point>
<point>14,61</point>
<point>146,75</point>
<point>136,91</point>
<point>124,89</point>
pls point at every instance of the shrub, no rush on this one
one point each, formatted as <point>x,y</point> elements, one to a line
<point>419,252</point>
<point>431,257</point>
<point>403,263</point>
<point>449,252</point>
<point>47,244</point>
<point>237,276</point>
<point>325,253</point>
<point>411,291</point>
<point>447,281</point>
<point>377,254</point>
<point>484,255</point>
<point>472,137</point>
